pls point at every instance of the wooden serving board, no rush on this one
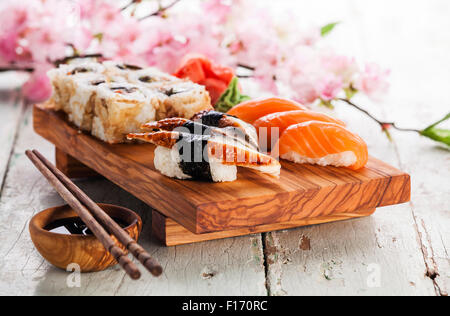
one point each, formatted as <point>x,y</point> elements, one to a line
<point>303,195</point>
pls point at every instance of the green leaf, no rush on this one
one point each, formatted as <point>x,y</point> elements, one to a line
<point>326,104</point>
<point>324,31</point>
<point>231,97</point>
<point>350,92</point>
<point>438,134</point>
<point>388,134</point>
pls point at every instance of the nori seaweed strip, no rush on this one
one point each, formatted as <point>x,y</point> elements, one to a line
<point>212,118</point>
<point>201,129</point>
<point>129,67</point>
<point>198,128</point>
<point>193,163</point>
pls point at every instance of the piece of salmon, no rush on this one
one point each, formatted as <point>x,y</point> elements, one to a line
<point>282,120</point>
<point>252,110</point>
<point>323,144</point>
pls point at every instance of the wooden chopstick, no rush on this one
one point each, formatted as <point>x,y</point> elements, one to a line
<point>147,261</point>
<point>99,232</point>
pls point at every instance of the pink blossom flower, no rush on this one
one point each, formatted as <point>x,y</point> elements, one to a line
<point>342,66</point>
<point>373,81</point>
<point>170,40</point>
<point>230,32</point>
<point>329,87</point>
<point>14,20</point>
<point>219,9</point>
<point>38,88</point>
<point>309,37</point>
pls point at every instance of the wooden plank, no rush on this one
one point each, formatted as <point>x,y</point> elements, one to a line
<point>72,167</point>
<point>170,233</point>
<point>349,258</point>
<point>302,192</point>
<point>11,111</point>
<point>416,107</point>
<point>229,267</point>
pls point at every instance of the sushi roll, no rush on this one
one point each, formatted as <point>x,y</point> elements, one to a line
<point>64,80</point>
<point>152,78</point>
<point>110,100</point>
<point>116,69</point>
<point>82,100</point>
<point>204,157</point>
<point>182,99</point>
<point>280,121</point>
<point>323,144</point>
<point>121,108</point>
<point>252,110</point>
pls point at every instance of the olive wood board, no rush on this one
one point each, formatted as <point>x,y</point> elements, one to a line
<point>256,202</point>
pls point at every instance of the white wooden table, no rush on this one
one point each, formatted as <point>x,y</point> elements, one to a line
<point>401,250</point>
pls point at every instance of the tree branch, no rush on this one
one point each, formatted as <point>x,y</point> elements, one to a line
<point>12,68</point>
<point>246,67</point>
<point>130,4</point>
<point>55,62</point>
<point>160,10</point>
<point>384,125</point>
<point>75,56</point>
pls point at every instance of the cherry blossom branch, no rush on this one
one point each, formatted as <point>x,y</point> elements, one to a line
<point>56,63</point>
<point>130,4</point>
<point>75,56</point>
<point>161,10</point>
<point>6,69</point>
<point>384,125</point>
<point>247,67</point>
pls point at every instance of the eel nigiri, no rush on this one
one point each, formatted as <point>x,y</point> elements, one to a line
<point>323,144</point>
<point>252,110</point>
<point>282,120</point>
<point>204,157</point>
<point>221,120</point>
<point>230,125</point>
<point>187,126</point>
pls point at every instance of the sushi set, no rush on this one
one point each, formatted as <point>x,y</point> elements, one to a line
<point>210,175</point>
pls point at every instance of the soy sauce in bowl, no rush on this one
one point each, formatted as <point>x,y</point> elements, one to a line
<point>74,226</point>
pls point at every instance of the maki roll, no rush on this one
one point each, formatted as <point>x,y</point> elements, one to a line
<point>121,108</point>
<point>82,101</point>
<point>114,69</point>
<point>151,78</point>
<point>111,99</point>
<point>64,80</point>
<point>182,99</point>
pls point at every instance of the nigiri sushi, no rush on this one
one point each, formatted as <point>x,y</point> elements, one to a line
<point>252,110</point>
<point>233,126</point>
<point>323,144</point>
<point>204,157</point>
<point>282,120</point>
<point>184,125</point>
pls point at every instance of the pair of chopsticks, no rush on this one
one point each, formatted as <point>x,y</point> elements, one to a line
<point>86,209</point>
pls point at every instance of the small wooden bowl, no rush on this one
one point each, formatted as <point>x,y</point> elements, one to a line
<point>85,251</point>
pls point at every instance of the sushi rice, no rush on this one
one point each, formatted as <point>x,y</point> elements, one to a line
<point>167,161</point>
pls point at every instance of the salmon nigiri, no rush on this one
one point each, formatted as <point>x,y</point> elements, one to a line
<point>323,144</point>
<point>282,120</point>
<point>252,110</point>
